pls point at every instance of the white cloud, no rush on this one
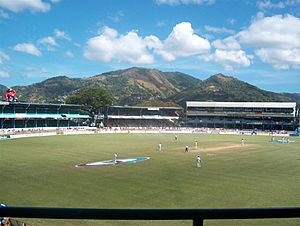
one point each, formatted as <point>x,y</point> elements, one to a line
<point>21,5</point>
<point>152,42</point>
<point>27,48</point>
<point>183,42</point>
<point>61,35</point>
<point>35,70</point>
<point>229,58</point>
<point>69,54</point>
<point>3,57</point>
<point>218,30</point>
<point>160,23</point>
<point>276,31</point>
<point>229,43</point>
<point>4,74</point>
<point>3,15</point>
<point>231,21</point>
<point>185,2</point>
<point>49,42</point>
<point>109,45</point>
<point>267,4</point>
<point>280,58</point>
<point>275,39</point>
<point>117,17</point>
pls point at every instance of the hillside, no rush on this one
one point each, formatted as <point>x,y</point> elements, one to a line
<point>295,97</point>
<point>138,86</point>
<point>2,91</point>
<point>223,88</point>
<point>130,86</point>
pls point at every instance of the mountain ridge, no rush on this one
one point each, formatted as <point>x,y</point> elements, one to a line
<point>227,88</point>
<point>135,86</point>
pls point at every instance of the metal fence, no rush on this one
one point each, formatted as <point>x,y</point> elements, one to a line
<point>198,216</point>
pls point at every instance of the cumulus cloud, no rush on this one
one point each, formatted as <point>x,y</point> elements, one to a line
<point>183,42</point>
<point>27,48</point>
<point>160,23</point>
<point>3,57</point>
<point>275,40</point>
<point>3,15</point>
<point>4,74</point>
<point>276,31</point>
<point>49,42</point>
<point>21,5</point>
<point>280,58</point>
<point>185,2</point>
<point>69,54</point>
<point>228,54</point>
<point>231,21</point>
<point>218,30</point>
<point>61,35</point>
<point>268,4</point>
<point>117,17</point>
<point>109,45</point>
<point>229,43</point>
<point>229,59</point>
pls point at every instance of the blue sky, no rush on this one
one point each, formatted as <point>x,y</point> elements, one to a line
<point>254,41</point>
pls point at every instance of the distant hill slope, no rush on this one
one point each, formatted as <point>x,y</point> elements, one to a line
<point>138,86</point>
<point>2,91</point>
<point>130,86</point>
<point>293,96</point>
<point>56,88</point>
<point>223,88</point>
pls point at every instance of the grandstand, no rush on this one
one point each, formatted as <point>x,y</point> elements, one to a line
<point>242,115</point>
<point>126,116</point>
<point>33,115</point>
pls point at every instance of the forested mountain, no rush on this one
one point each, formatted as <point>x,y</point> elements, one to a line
<point>224,88</point>
<point>130,86</point>
<point>139,86</point>
<point>2,91</point>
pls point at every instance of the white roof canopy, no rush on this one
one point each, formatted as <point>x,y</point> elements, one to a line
<point>242,104</point>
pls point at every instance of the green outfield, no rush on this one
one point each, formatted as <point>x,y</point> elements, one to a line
<point>41,172</point>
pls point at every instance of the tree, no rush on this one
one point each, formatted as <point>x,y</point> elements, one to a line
<point>95,98</point>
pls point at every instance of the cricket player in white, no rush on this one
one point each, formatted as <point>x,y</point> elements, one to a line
<point>196,145</point>
<point>186,149</point>
<point>243,142</point>
<point>159,147</point>
<point>116,156</point>
<point>198,162</point>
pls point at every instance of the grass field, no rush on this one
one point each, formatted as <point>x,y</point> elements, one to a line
<point>40,172</point>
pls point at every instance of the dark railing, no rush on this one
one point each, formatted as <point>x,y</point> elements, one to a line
<point>196,215</point>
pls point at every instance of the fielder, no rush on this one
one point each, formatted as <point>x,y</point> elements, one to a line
<point>186,149</point>
<point>159,147</point>
<point>116,156</point>
<point>198,162</point>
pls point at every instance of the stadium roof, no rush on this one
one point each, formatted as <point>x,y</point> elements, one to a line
<point>41,104</point>
<point>149,108</point>
<point>42,116</point>
<point>242,104</point>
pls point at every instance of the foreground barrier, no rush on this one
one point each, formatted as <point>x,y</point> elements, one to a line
<point>196,215</point>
